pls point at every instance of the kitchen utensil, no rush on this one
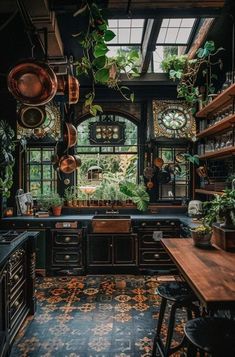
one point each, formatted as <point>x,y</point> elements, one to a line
<point>148,173</point>
<point>164,177</point>
<point>179,158</point>
<point>202,171</point>
<point>73,90</point>
<point>31,117</point>
<point>158,162</point>
<point>32,82</point>
<point>69,163</point>
<point>70,135</point>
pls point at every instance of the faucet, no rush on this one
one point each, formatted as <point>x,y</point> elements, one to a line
<point>233,184</point>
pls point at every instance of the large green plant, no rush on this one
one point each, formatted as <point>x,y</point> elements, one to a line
<point>186,71</point>
<point>221,207</point>
<point>7,161</point>
<point>137,192</point>
<point>95,62</point>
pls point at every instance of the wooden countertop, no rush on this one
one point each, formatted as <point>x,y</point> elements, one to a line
<point>210,272</point>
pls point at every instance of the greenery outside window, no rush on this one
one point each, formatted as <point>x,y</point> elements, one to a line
<point>118,162</point>
<point>40,175</point>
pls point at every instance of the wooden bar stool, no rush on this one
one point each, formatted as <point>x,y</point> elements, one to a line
<point>181,296</point>
<point>213,335</point>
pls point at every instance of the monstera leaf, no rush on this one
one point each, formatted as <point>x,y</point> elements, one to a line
<point>137,193</point>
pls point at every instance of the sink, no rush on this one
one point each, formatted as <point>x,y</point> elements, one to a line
<point>111,223</point>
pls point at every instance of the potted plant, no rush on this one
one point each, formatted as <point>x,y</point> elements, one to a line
<point>137,193</point>
<point>95,62</point>
<point>69,196</point>
<point>56,203</point>
<point>186,72</point>
<point>201,235</point>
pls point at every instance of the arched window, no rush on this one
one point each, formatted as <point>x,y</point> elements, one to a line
<point>108,142</point>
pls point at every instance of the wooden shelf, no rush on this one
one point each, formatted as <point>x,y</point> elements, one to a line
<point>219,153</point>
<point>206,192</point>
<point>219,126</point>
<point>220,100</point>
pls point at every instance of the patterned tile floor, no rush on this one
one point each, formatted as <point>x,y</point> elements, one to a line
<point>93,316</point>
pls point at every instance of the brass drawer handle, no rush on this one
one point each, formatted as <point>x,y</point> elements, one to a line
<point>16,277</point>
<point>158,223</point>
<point>67,239</point>
<point>156,256</point>
<point>41,225</point>
<point>27,224</point>
<point>144,224</point>
<point>67,257</point>
<point>16,303</point>
<point>172,223</point>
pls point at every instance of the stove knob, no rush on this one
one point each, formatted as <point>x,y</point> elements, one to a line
<point>16,277</point>
<point>67,239</point>
<point>67,257</point>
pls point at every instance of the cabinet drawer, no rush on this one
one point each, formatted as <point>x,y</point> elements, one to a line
<point>146,241</point>
<point>165,224</point>
<point>16,306</point>
<point>67,238</point>
<point>26,224</point>
<point>66,257</point>
<point>16,259</point>
<point>154,257</point>
<point>16,279</point>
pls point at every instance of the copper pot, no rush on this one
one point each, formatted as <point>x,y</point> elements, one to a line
<point>69,163</point>
<point>73,90</point>
<point>70,135</point>
<point>32,82</point>
<point>31,117</point>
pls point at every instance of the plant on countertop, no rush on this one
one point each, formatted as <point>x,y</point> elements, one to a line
<point>7,161</point>
<point>186,71</point>
<point>222,207</point>
<point>137,192</point>
<point>95,63</point>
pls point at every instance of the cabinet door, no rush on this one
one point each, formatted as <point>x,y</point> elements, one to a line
<point>99,249</point>
<point>41,250</point>
<point>3,309</point>
<point>124,248</point>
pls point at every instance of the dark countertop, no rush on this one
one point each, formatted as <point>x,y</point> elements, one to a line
<point>7,249</point>
<point>87,217</point>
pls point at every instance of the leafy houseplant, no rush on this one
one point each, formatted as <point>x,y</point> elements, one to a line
<point>95,63</point>
<point>137,192</point>
<point>6,158</point>
<point>56,203</point>
<point>186,71</point>
<point>221,207</point>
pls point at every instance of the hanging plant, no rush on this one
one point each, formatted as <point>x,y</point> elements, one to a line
<point>95,63</point>
<point>186,71</point>
<point>7,161</point>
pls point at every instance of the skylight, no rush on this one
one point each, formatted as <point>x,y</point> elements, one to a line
<point>175,31</point>
<point>128,31</point>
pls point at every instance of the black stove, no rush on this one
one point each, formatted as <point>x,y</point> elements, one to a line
<point>7,237</point>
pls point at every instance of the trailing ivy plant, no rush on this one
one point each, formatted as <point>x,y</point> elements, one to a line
<point>7,161</point>
<point>186,71</point>
<point>95,63</point>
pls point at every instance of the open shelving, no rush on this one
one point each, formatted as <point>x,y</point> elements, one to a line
<point>220,100</point>
<point>223,124</point>
<point>207,192</point>
<point>218,153</point>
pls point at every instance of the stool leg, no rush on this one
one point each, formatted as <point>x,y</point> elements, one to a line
<point>170,330</point>
<point>159,325</point>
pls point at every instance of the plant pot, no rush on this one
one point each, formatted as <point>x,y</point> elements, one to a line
<point>57,210</point>
<point>201,239</point>
<point>70,203</point>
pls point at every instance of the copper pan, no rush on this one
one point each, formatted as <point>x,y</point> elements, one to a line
<point>69,163</point>
<point>31,117</point>
<point>70,135</point>
<point>73,90</point>
<point>32,82</point>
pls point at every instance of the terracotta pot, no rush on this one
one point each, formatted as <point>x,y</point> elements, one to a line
<point>31,117</point>
<point>57,210</point>
<point>32,82</point>
<point>70,135</point>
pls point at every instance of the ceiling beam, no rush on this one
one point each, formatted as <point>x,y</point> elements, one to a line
<point>149,43</point>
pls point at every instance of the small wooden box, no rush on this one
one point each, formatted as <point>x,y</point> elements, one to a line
<point>224,238</point>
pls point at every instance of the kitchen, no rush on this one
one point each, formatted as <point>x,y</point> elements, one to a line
<point>117,178</point>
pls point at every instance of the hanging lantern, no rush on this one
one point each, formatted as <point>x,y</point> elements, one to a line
<point>95,174</point>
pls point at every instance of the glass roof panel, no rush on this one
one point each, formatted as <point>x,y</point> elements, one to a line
<point>128,31</point>
<point>175,31</point>
<point>162,52</point>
